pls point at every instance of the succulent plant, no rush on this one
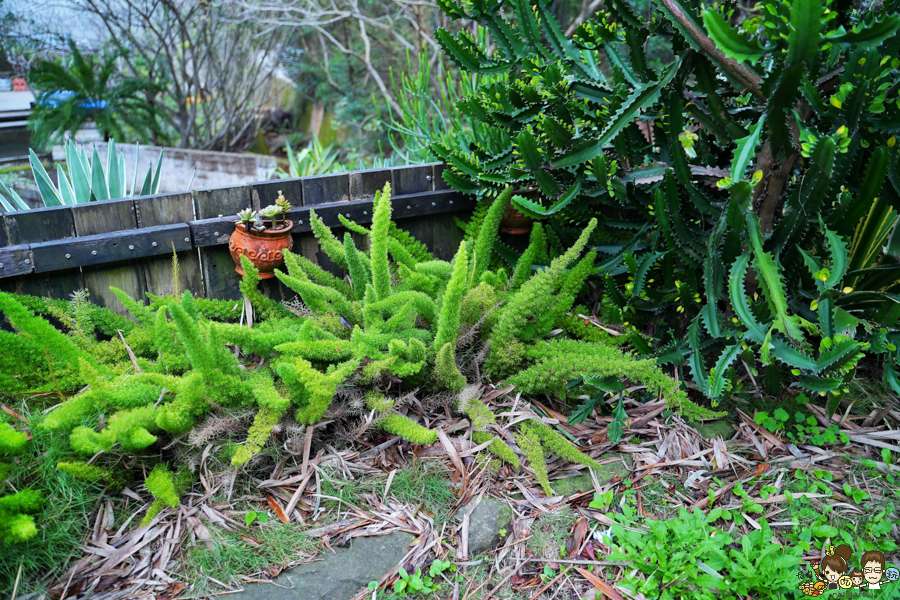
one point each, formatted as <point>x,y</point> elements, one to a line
<point>247,217</point>
<point>270,212</point>
<point>282,203</point>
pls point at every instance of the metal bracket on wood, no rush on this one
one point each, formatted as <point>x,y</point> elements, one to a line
<point>215,232</point>
<point>110,247</point>
<point>15,260</point>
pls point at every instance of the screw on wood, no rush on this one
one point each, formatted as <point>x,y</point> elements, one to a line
<point>68,256</point>
<point>131,246</point>
<point>93,253</point>
<point>153,244</point>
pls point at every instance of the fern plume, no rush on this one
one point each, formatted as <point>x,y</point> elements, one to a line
<point>381,222</point>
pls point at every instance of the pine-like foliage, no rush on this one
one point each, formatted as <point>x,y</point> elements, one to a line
<point>16,510</point>
<point>406,318</point>
<point>17,516</point>
<point>448,320</point>
<point>166,487</point>
<point>381,222</point>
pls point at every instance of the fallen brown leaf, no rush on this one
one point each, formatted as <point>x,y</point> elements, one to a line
<point>600,584</point>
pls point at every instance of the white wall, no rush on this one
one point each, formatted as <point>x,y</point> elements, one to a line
<point>214,169</point>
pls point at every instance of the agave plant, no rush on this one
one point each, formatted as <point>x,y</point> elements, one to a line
<point>315,159</point>
<point>85,179</point>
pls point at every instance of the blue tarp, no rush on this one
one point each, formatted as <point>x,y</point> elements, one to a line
<point>57,98</point>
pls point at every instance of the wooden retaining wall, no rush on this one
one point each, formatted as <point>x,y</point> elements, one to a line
<point>128,243</point>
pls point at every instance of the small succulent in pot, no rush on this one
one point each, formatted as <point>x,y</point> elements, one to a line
<point>263,238</point>
<point>282,203</point>
<point>270,212</point>
<point>247,217</point>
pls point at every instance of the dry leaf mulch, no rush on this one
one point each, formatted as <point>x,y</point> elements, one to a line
<point>143,562</point>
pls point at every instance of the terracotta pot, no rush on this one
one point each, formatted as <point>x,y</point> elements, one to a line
<point>514,222</point>
<point>264,248</point>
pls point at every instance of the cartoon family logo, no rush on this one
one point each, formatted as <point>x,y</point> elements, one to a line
<point>834,572</point>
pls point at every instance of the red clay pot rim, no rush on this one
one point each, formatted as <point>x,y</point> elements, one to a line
<point>267,233</point>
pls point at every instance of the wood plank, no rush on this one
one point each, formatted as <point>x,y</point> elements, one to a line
<point>364,184</point>
<point>94,218</point>
<point>166,209</point>
<point>264,193</point>
<point>222,201</point>
<point>58,284</point>
<point>324,189</point>
<point>15,260</point>
<point>39,225</point>
<point>359,211</point>
<point>158,274</point>
<point>107,232</point>
<point>421,228</point>
<point>213,232</point>
<point>431,203</point>
<point>220,280</point>
<point>447,236</point>
<point>109,247</point>
<point>128,277</point>
<point>439,183</point>
<point>412,180</point>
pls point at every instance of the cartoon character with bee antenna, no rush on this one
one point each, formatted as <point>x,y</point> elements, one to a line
<point>833,573</point>
<point>834,565</point>
<point>830,572</point>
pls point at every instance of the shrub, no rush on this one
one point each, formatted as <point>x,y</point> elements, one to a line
<point>408,325</point>
<point>789,263</point>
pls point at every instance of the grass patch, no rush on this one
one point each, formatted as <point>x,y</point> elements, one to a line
<point>348,490</point>
<point>549,532</point>
<point>426,484</point>
<point>229,557</point>
<point>63,521</point>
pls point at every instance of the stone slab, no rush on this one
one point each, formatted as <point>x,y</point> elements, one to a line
<point>338,576</point>
<point>486,522</point>
<point>584,483</point>
<point>710,430</point>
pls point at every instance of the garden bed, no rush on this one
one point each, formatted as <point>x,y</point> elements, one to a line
<point>165,447</point>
